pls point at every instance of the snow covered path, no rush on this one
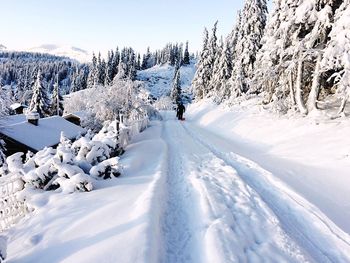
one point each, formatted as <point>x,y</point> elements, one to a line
<point>224,208</point>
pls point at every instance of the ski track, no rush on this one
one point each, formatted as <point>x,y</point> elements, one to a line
<point>212,214</point>
<point>319,241</point>
<point>177,235</point>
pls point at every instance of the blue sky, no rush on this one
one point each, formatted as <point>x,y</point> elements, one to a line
<point>99,25</point>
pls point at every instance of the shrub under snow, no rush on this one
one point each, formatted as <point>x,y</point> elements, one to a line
<point>74,166</point>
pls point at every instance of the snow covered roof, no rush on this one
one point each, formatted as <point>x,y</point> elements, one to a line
<point>12,119</point>
<point>17,105</point>
<point>78,114</point>
<point>46,134</point>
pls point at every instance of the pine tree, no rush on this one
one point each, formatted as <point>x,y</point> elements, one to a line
<point>40,102</point>
<point>92,80</point>
<point>252,25</point>
<point>115,63</point>
<point>186,60</point>
<point>57,101</point>
<point>288,65</point>
<point>200,80</point>
<point>131,65</point>
<point>138,63</point>
<point>216,69</point>
<point>336,58</point>
<point>176,87</point>
<point>101,70</point>
<point>221,83</point>
<point>109,69</point>
<point>2,153</point>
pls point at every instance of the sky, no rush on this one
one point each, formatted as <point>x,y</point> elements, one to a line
<point>101,25</point>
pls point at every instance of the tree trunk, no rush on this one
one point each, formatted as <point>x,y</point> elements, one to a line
<point>343,103</point>
<point>315,88</point>
<point>291,88</point>
<point>298,94</point>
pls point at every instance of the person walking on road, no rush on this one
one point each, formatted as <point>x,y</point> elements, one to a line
<point>180,111</point>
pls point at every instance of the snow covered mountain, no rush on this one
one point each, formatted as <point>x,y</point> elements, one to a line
<point>2,47</point>
<point>67,51</point>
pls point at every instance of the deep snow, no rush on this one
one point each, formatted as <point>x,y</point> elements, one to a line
<point>311,155</point>
<point>234,184</point>
<point>188,195</point>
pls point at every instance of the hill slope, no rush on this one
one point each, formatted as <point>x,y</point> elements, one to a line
<point>158,79</point>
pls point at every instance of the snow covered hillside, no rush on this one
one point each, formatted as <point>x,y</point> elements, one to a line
<point>2,47</point>
<point>158,79</point>
<point>65,51</point>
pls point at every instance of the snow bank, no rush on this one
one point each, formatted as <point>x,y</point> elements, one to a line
<point>311,155</point>
<point>114,223</point>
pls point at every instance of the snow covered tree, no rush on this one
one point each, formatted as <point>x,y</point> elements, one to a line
<point>40,102</point>
<point>216,69</point>
<point>2,153</point>
<point>57,101</point>
<point>176,87</point>
<point>109,69</point>
<point>5,101</point>
<point>336,59</point>
<point>201,81</point>
<point>251,29</point>
<point>221,83</point>
<point>122,72</point>
<point>186,59</point>
<point>92,80</point>
<point>288,65</point>
<point>101,70</point>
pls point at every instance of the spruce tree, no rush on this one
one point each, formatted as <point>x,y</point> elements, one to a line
<point>186,60</point>
<point>92,80</point>
<point>57,101</point>
<point>216,69</point>
<point>200,80</point>
<point>176,87</point>
<point>252,25</point>
<point>336,60</point>
<point>221,83</point>
<point>109,69</point>
<point>40,102</point>
<point>288,65</point>
<point>2,153</point>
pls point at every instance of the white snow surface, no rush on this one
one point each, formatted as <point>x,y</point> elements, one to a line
<point>223,186</point>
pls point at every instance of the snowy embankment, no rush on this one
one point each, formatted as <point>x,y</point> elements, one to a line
<point>311,155</point>
<point>117,222</point>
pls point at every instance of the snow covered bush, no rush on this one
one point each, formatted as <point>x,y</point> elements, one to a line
<point>106,103</point>
<point>107,169</point>
<point>164,103</point>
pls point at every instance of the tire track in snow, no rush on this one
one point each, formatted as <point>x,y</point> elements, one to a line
<point>229,222</point>
<point>298,219</point>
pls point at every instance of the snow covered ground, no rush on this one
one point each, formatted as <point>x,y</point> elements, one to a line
<point>194,193</point>
<point>311,155</point>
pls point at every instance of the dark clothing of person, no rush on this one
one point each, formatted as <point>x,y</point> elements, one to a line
<point>180,111</point>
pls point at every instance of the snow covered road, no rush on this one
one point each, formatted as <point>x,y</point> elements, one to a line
<point>224,208</point>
